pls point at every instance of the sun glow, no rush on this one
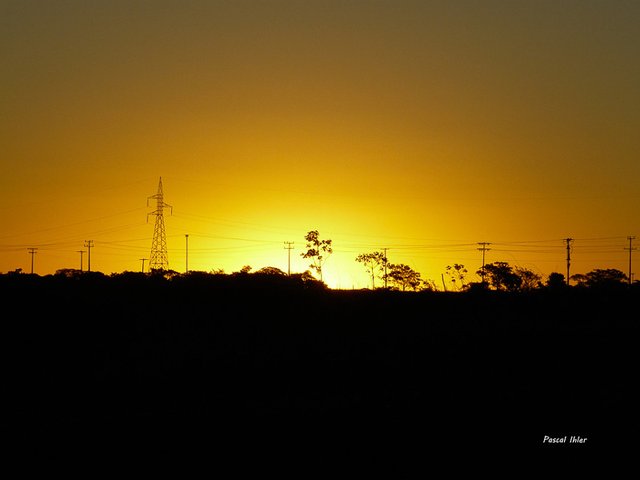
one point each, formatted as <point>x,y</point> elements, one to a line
<point>415,127</point>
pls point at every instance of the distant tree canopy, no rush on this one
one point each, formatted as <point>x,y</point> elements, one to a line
<point>374,263</point>
<point>503,277</point>
<point>403,277</point>
<point>270,271</point>
<point>556,280</point>
<point>457,273</point>
<point>529,280</point>
<point>600,278</point>
<point>68,272</point>
<point>317,250</point>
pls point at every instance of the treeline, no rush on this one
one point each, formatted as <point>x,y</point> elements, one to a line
<point>270,277</point>
<point>497,276</point>
<point>223,363</point>
<point>501,276</point>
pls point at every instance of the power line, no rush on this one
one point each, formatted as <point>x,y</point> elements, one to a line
<point>73,224</point>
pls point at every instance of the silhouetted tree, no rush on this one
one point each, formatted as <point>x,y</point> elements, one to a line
<point>161,272</point>
<point>556,280</point>
<point>579,279</point>
<point>374,263</point>
<point>600,278</point>
<point>457,273</point>
<point>529,280</point>
<point>307,280</point>
<point>429,285</point>
<point>477,286</point>
<point>128,276</point>
<point>270,271</point>
<point>68,272</point>
<point>317,250</point>
<point>502,277</point>
<point>403,276</point>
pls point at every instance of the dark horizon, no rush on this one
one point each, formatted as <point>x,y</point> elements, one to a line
<point>223,368</point>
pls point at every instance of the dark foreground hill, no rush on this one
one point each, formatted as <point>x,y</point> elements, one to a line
<point>260,376</point>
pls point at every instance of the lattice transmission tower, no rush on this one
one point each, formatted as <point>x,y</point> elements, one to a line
<point>159,260</point>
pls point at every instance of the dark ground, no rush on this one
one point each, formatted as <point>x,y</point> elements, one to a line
<point>261,377</point>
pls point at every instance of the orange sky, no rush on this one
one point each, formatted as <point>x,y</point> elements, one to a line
<point>421,126</point>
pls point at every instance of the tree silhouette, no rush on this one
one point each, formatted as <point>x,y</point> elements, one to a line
<point>374,263</point>
<point>317,250</point>
<point>528,280</point>
<point>270,271</point>
<point>599,278</point>
<point>556,280</point>
<point>403,276</point>
<point>501,276</point>
<point>457,273</point>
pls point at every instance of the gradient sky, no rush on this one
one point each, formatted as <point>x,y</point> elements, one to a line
<point>421,126</point>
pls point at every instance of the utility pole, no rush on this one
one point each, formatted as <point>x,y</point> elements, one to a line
<point>288,246</point>
<point>385,267</point>
<point>143,259</point>
<point>186,250</point>
<point>32,251</point>
<point>81,252</point>
<point>89,245</point>
<point>630,248</point>
<point>483,248</point>
<point>568,241</point>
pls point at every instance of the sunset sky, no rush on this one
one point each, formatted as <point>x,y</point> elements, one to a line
<point>421,126</point>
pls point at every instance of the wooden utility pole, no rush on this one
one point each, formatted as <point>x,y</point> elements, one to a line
<point>89,245</point>
<point>186,259</point>
<point>385,267</point>
<point>288,246</point>
<point>568,241</point>
<point>483,248</point>
<point>32,251</point>
<point>630,248</point>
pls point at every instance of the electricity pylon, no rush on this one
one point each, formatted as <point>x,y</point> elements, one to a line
<point>159,259</point>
